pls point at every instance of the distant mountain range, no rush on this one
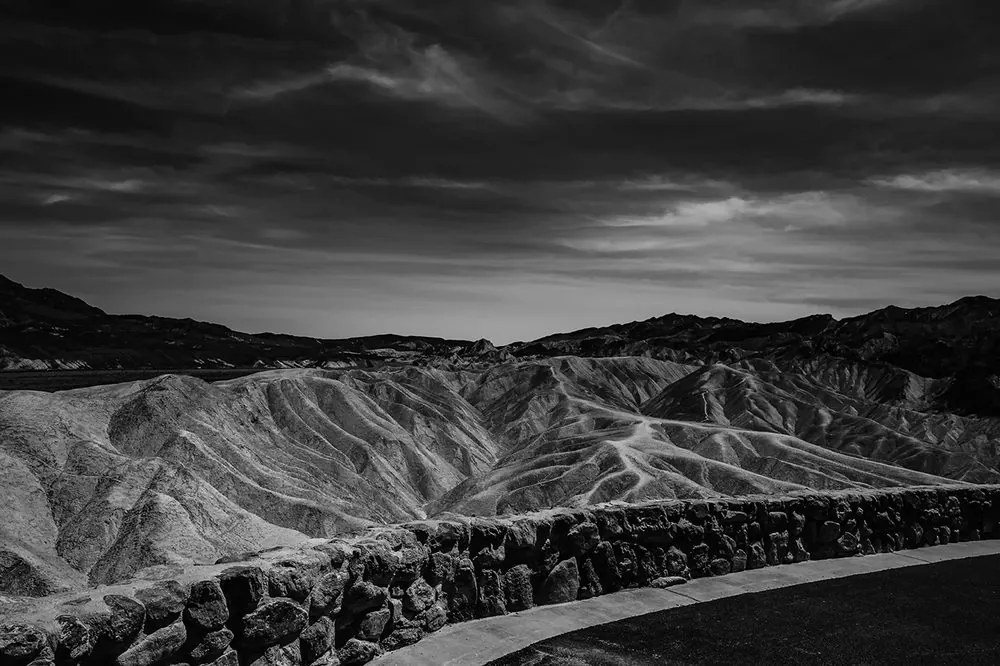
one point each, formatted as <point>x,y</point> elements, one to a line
<point>44,329</point>
<point>103,481</point>
<point>957,344</point>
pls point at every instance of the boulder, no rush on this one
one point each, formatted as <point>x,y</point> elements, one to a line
<point>122,622</point>
<point>677,562</point>
<point>491,599</point>
<point>463,593</point>
<point>228,658</point>
<point>739,560</point>
<point>280,655</point>
<point>317,639</point>
<point>719,566</point>
<point>206,607</point>
<point>590,582</point>
<point>76,640</point>
<point>667,581</point>
<point>434,617</point>
<point>356,651</point>
<point>273,622</point>
<point>363,596</point>
<point>583,538</point>
<point>243,588</point>
<point>606,565</point>
<point>156,647</point>
<point>402,637</point>
<point>441,569</point>
<point>326,596</point>
<point>518,589</point>
<point>373,624</point>
<point>20,643</point>
<point>563,583</point>
<point>212,645</point>
<point>164,603</point>
<point>418,596</point>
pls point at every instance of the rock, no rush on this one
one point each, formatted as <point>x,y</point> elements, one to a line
<point>606,566</point>
<point>517,588</point>
<point>418,596</point>
<point>645,565</point>
<point>829,531</point>
<point>491,599</point>
<point>243,588</point>
<point>719,566</point>
<point>777,548</point>
<point>328,659</point>
<point>317,639</point>
<point>698,560</point>
<point>562,583</point>
<point>464,592</point>
<point>280,655</point>
<point>206,607</point>
<point>667,581</point>
<point>156,647</point>
<point>590,582</point>
<point>20,643</point>
<point>373,624</point>
<point>625,557</point>
<point>735,518</point>
<point>272,622</point>
<point>229,658</point>
<point>291,581</point>
<point>848,544</point>
<point>44,658</point>
<point>125,620</point>
<point>441,570</point>
<point>402,637</point>
<point>798,551</point>
<point>326,596</point>
<point>212,645</point>
<point>362,597</point>
<point>677,562</point>
<point>356,651</point>
<point>338,551</point>
<point>756,558</point>
<point>490,558</point>
<point>76,641</point>
<point>434,617</point>
<point>379,560</point>
<point>583,538</point>
<point>777,520</point>
<point>410,562</point>
<point>521,535</point>
<point>164,603</point>
<point>739,560</point>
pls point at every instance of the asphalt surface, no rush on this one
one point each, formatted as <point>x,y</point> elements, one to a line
<point>945,613</point>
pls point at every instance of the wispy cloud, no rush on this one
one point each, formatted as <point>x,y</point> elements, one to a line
<point>945,180</point>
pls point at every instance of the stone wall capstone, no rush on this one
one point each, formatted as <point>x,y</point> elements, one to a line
<point>349,599</point>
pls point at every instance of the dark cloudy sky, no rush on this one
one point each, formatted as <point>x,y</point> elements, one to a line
<point>500,168</point>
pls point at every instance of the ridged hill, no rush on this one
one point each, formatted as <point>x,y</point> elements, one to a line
<point>103,481</point>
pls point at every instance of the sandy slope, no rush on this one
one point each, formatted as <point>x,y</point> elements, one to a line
<point>100,482</point>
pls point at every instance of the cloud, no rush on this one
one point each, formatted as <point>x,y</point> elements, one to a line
<point>945,180</point>
<point>765,157</point>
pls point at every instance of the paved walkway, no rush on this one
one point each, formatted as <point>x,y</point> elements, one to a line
<point>481,641</point>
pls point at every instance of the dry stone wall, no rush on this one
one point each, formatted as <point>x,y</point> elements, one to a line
<point>347,600</point>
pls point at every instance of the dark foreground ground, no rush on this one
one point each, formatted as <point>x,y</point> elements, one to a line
<point>946,613</point>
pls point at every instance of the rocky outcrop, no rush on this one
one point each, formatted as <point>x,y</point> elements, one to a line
<point>350,599</point>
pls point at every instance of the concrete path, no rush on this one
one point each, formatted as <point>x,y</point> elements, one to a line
<point>481,641</point>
